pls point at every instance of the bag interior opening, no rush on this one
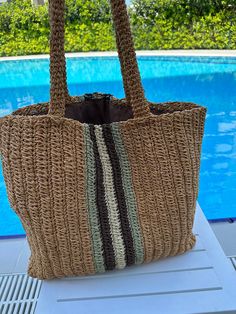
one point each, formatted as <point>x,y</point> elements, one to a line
<point>98,108</point>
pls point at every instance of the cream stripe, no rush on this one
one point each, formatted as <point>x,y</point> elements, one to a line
<point>111,202</point>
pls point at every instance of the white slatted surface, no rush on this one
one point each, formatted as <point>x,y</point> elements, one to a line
<point>18,294</point>
<point>200,281</point>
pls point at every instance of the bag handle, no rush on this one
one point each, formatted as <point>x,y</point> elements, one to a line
<point>130,72</point>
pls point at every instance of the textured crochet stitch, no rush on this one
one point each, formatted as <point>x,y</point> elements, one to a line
<point>94,197</point>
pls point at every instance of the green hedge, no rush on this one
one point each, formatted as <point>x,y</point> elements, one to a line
<point>184,24</point>
<point>162,24</point>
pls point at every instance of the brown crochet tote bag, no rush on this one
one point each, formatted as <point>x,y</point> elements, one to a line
<point>101,183</point>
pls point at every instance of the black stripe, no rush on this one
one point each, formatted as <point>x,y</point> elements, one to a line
<point>120,196</point>
<point>108,251</point>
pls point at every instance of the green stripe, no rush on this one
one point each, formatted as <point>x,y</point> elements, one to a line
<point>129,194</point>
<point>91,202</point>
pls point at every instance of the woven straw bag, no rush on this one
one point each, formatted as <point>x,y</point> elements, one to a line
<point>101,183</point>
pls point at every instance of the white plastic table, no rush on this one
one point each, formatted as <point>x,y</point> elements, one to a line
<point>199,281</point>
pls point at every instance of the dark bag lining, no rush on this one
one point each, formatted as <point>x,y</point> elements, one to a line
<point>100,108</point>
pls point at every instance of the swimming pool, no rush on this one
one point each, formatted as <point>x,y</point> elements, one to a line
<point>209,81</point>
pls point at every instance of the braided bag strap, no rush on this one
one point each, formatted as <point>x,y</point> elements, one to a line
<point>58,82</point>
<point>130,72</point>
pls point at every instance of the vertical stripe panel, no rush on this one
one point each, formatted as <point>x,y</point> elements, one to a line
<point>24,186</point>
<point>83,219</point>
<point>111,201</point>
<point>133,147</point>
<point>119,192</point>
<point>109,254</point>
<point>177,184</point>
<point>37,173</point>
<point>72,203</point>
<point>129,194</point>
<point>58,192</point>
<point>184,157</point>
<point>91,202</point>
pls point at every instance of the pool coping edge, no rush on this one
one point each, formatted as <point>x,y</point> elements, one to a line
<point>187,53</point>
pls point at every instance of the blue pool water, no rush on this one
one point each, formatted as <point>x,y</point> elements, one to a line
<point>207,81</point>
